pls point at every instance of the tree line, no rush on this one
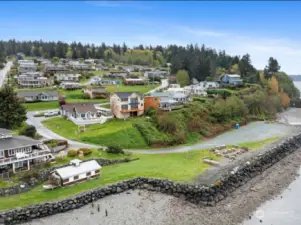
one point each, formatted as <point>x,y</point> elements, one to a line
<point>200,62</point>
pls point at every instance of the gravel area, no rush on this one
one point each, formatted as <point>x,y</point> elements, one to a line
<point>142,207</point>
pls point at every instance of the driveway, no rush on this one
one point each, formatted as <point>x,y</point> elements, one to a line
<point>252,132</point>
<point>45,132</point>
<point>4,72</point>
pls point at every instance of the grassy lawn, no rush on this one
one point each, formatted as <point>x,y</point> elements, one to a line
<point>259,144</point>
<point>182,167</point>
<point>36,106</point>
<point>76,96</point>
<point>118,132</point>
<point>108,106</point>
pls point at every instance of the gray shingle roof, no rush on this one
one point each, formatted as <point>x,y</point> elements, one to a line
<point>16,142</point>
<point>126,94</point>
<point>36,93</point>
<point>5,132</point>
<point>80,108</point>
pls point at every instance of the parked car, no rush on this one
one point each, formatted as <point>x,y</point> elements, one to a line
<point>53,113</point>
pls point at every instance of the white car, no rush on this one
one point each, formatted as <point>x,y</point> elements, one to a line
<point>53,113</point>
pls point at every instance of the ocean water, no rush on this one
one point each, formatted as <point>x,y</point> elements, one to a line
<point>284,209</point>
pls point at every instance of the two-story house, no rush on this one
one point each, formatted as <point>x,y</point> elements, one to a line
<point>67,77</point>
<point>96,92</point>
<point>33,80</point>
<point>27,67</point>
<point>20,152</point>
<point>127,104</point>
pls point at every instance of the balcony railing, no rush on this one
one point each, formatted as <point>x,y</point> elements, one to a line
<point>29,156</point>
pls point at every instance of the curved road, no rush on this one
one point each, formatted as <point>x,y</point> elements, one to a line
<point>252,132</point>
<point>4,72</point>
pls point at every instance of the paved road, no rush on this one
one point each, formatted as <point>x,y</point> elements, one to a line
<point>4,71</point>
<point>164,84</point>
<point>252,132</point>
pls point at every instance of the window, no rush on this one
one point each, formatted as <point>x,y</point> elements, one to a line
<point>124,99</point>
<point>11,152</point>
<point>141,104</point>
<point>75,177</point>
<point>96,171</point>
<point>19,164</point>
<point>88,174</point>
<point>83,115</point>
<point>1,154</point>
<point>66,180</point>
<point>124,107</point>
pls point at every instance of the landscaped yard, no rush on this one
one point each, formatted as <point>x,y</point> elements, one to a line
<point>182,167</point>
<point>120,132</point>
<point>36,106</point>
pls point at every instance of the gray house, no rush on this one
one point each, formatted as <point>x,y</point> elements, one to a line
<point>20,152</point>
<point>34,96</point>
<point>233,79</point>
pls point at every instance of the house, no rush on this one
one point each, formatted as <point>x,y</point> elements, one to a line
<point>127,104</point>
<point>96,92</point>
<point>233,79</point>
<point>70,85</point>
<point>77,171</point>
<point>133,81</point>
<point>20,152</point>
<point>34,96</point>
<point>67,77</point>
<point>209,84</point>
<point>166,101</point>
<point>195,90</point>
<point>54,68</point>
<point>172,79</point>
<point>174,86</point>
<point>89,61</point>
<point>156,74</point>
<point>109,82</point>
<point>27,67</point>
<point>33,80</point>
<point>80,66</point>
<point>118,74</point>
<point>83,113</point>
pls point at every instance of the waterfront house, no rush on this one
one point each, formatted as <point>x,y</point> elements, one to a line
<point>165,101</point>
<point>83,113</point>
<point>127,104</point>
<point>67,77</point>
<point>20,152</point>
<point>34,96</point>
<point>77,171</point>
<point>233,79</point>
<point>96,92</point>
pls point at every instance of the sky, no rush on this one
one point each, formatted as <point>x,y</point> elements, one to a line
<point>262,29</point>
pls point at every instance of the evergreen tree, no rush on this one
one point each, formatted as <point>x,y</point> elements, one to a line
<point>12,113</point>
<point>273,65</point>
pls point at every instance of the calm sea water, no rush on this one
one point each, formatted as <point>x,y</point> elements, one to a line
<point>281,211</point>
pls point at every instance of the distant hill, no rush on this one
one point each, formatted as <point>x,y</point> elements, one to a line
<point>295,77</point>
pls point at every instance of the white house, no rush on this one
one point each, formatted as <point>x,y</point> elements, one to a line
<point>83,113</point>
<point>77,171</point>
<point>209,84</point>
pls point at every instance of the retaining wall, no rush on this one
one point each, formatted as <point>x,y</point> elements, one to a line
<point>203,196</point>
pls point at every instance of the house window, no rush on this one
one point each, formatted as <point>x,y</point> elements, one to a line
<point>1,154</point>
<point>88,174</point>
<point>19,164</point>
<point>124,99</point>
<point>75,177</point>
<point>141,104</point>
<point>83,115</point>
<point>125,107</point>
<point>96,171</point>
<point>11,151</point>
<point>66,180</point>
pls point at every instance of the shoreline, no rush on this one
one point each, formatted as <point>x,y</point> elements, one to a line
<point>139,206</point>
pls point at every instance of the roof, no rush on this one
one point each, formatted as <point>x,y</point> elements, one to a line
<point>80,107</point>
<point>83,167</point>
<point>233,75</point>
<point>126,94</point>
<point>35,93</point>
<point>5,132</point>
<point>17,141</point>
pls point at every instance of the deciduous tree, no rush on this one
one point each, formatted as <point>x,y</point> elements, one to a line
<point>182,78</point>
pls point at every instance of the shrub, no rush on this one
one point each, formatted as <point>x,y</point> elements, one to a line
<point>85,96</point>
<point>114,149</point>
<point>72,153</point>
<point>222,92</point>
<point>29,131</point>
<point>85,151</point>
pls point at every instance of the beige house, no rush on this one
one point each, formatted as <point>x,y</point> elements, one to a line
<point>127,104</point>
<point>96,92</point>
